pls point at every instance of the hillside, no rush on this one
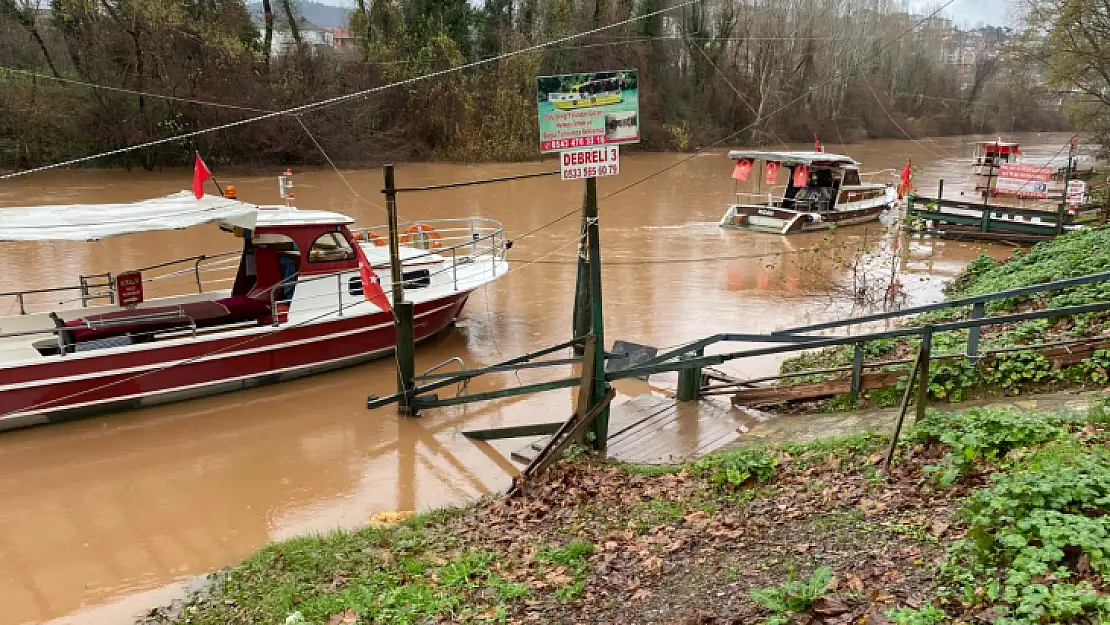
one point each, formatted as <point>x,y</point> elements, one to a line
<point>323,15</point>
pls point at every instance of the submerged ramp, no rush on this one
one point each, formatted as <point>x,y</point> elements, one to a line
<point>650,429</point>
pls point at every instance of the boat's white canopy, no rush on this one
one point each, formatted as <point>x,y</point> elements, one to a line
<point>89,222</point>
<point>795,158</point>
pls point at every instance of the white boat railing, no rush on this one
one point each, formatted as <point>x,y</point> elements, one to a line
<point>759,199</point>
<point>461,239</point>
<point>868,177</point>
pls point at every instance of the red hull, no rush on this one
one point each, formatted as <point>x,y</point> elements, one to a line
<point>90,382</point>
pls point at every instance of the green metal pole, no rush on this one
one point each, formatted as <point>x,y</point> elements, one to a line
<point>402,312</point>
<point>601,386</point>
<point>1067,179</point>
<point>582,287</point>
<point>394,242</point>
<point>923,381</point>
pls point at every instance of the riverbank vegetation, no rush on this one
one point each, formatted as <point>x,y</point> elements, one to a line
<point>986,517</point>
<point>755,72</point>
<point>1013,370</point>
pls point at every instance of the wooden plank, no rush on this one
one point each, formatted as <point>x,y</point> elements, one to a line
<point>715,444</point>
<point>635,411</point>
<point>513,431</point>
<point>816,390</point>
<point>572,430</point>
<point>654,443</point>
<point>645,427</point>
<point>643,419</point>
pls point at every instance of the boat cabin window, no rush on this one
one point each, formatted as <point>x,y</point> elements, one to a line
<point>851,177</point>
<point>329,248</point>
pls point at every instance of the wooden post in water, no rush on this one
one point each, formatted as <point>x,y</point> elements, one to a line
<point>1067,178</point>
<point>601,387</point>
<point>402,311</point>
<point>940,189</point>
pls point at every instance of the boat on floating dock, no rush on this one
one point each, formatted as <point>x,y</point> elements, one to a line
<point>822,191</point>
<point>988,159</point>
<point>977,220</point>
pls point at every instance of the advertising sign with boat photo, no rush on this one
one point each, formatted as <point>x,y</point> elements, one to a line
<point>583,110</point>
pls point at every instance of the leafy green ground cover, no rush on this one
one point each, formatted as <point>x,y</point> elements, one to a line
<point>958,379</point>
<point>988,516</point>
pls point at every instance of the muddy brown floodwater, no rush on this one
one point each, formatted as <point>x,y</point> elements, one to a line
<point>104,517</point>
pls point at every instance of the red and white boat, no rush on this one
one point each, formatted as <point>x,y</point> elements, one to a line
<point>295,306</point>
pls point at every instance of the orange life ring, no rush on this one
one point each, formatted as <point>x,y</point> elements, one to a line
<point>375,239</point>
<point>370,236</point>
<point>421,236</point>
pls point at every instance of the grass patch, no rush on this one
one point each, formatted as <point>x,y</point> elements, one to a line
<point>1019,536</point>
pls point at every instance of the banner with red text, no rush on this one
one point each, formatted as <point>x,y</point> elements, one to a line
<point>584,110</point>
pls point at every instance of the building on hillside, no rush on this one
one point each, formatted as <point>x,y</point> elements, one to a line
<point>341,39</point>
<point>312,36</point>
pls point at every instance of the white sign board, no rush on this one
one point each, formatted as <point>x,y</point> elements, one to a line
<point>592,162</point>
<point>1028,181</point>
<point>1077,192</point>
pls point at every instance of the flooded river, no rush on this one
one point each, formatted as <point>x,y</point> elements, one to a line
<point>102,517</point>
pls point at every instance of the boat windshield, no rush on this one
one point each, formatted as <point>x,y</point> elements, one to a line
<point>818,193</point>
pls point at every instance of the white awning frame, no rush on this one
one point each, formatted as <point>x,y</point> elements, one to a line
<point>92,222</point>
<point>796,158</point>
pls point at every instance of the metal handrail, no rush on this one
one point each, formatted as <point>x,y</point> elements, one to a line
<point>106,323</point>
<point>765,197</point>
<point>110,283</point>
<point>464,385</point>
<point>479,229</point>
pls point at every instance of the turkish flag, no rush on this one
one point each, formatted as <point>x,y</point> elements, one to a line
<point>371,286</point>
<point>743,168</point>
<point>772,171</point>
<point>200,174</point>
<point>801,175</point>
<point>906,175</point>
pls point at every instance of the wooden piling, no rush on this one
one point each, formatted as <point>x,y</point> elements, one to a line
<point>601,387</point>
<point>402,311</point>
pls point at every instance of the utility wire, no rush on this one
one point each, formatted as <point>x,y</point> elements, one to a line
<point>130,91</point>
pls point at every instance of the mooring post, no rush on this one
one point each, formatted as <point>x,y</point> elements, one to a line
<point>601,387</point>
<point>402,311</point>
<point>581,318</point>
<point>1067,179</point>
<point>940,189</point>
<point>689,380</point>
<point>857,369</point>
<point>977,311</point>
<point>923,382</point>
<point>901,414</point>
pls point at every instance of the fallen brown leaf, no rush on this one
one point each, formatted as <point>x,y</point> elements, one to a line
<point>343,618</point>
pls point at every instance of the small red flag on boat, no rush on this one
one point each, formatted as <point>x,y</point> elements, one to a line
<point>772,171</point>
<point>817,147</point>
<point>200,174</point>
<point>907,174</point>
<point>743,168</point>
<point>801,175</point>
<point>371,286</point>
